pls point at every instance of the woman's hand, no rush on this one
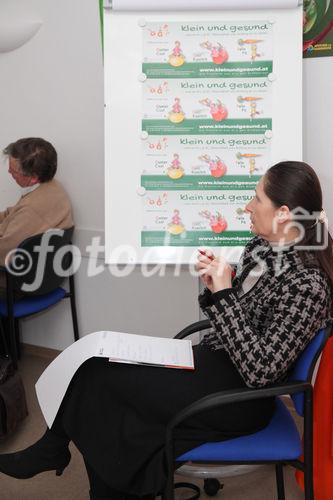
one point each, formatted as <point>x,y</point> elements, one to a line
<point>205,257</point>
<point>215,272</point>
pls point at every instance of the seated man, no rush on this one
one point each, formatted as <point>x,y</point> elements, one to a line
<point>44,203</point>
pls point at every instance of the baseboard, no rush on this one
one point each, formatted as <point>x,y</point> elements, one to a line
<point>41,352</point>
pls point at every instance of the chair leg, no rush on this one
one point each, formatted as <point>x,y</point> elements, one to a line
<point>3,337</point>
<point>308,479</point>
<point>12,340</point>
<point>308,486</point>
<point>17,338</point>
<point>279,481</point>
<point>73,308</point>
<point>308,446</point>
<point>168,492</point>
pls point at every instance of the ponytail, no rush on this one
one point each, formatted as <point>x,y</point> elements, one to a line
<point>296,185</point>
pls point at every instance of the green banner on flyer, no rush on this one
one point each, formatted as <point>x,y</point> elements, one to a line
<point>101,19</point>
<point>199,182</point>
<point>244,69</point>
<point>207,127</point>
<point>195,238</point>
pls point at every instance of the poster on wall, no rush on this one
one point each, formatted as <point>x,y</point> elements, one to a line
<point>198,104</point>
<point>206,121</point>
<point>317,28</point>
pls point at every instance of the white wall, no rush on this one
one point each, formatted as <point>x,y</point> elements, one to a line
<point>317,126</point>
<point>53,87</point>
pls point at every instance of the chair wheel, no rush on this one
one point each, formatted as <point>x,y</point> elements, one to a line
<point>212,486</point>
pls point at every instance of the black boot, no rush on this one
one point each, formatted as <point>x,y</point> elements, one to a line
<point>94,497</point>
<point>49,453</point>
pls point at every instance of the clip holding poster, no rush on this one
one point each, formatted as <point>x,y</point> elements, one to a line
<point>142,22</point>
<point>142,77</point>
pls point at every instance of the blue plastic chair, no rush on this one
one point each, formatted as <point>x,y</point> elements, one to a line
<point>279,443</point>
<point>22,302</point>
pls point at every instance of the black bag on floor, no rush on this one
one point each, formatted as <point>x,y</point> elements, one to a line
<point>13,405</point>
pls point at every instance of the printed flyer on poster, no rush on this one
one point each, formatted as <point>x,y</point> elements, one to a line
<point>202,218</point>
<point>206,122</point>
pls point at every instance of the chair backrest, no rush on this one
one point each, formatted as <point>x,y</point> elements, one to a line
<point>305,365</point>
<point>36,263</point>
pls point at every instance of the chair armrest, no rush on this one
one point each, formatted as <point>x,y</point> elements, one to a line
<point>193,328</point>
<point>232,396</point>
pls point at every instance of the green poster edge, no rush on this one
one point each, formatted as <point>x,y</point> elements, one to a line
<point>101,18</point>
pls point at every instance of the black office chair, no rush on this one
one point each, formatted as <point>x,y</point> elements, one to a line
<point>33,281</point>
<point>279,443</point>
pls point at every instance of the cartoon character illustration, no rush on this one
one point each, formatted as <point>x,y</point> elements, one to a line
<point>176,226</point>
<point>176,115</point>
<point>240,215</point>
<point>252,160</point>
<point>217,222</point>
<point>176,58</point>
<point>216,166</point>
<point>161,89</point>
<point>217,109</point>
<point>218,53</point>
<point>161,32</point>
<point>159,145</point>
<point>252,43</point>
<point>252,101</point>
<point>159,201</point>
<point>175,171</point>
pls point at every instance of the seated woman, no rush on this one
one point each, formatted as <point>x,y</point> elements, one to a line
<point>116,414</point>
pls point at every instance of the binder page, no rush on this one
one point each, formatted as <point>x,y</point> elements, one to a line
<point>130,348</point>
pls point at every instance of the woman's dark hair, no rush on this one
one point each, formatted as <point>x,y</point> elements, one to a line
<point>296,185</point>
<point>37,157</point>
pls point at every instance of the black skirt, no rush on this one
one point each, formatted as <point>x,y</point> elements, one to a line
<point>116,414</point>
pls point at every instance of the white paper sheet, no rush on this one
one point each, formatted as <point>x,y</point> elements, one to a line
<point>129,348</point>
<point>54,381</point>
<point>177,5</point>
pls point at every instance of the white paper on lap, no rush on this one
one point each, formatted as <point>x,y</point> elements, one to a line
<point>54,381</point>
<point>120,347</point>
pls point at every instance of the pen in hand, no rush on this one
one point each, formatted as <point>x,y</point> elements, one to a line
<point>210,257</point>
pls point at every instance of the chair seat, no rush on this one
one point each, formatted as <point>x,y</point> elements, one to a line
<point>281,434</point>
<point>33,304</point>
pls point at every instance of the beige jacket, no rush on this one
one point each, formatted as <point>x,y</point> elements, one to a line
<point>46,207</point>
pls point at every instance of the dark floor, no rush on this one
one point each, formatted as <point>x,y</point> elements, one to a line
<point>73,485</point>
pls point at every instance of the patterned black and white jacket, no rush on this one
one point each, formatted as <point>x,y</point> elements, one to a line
<point>265,329</point>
